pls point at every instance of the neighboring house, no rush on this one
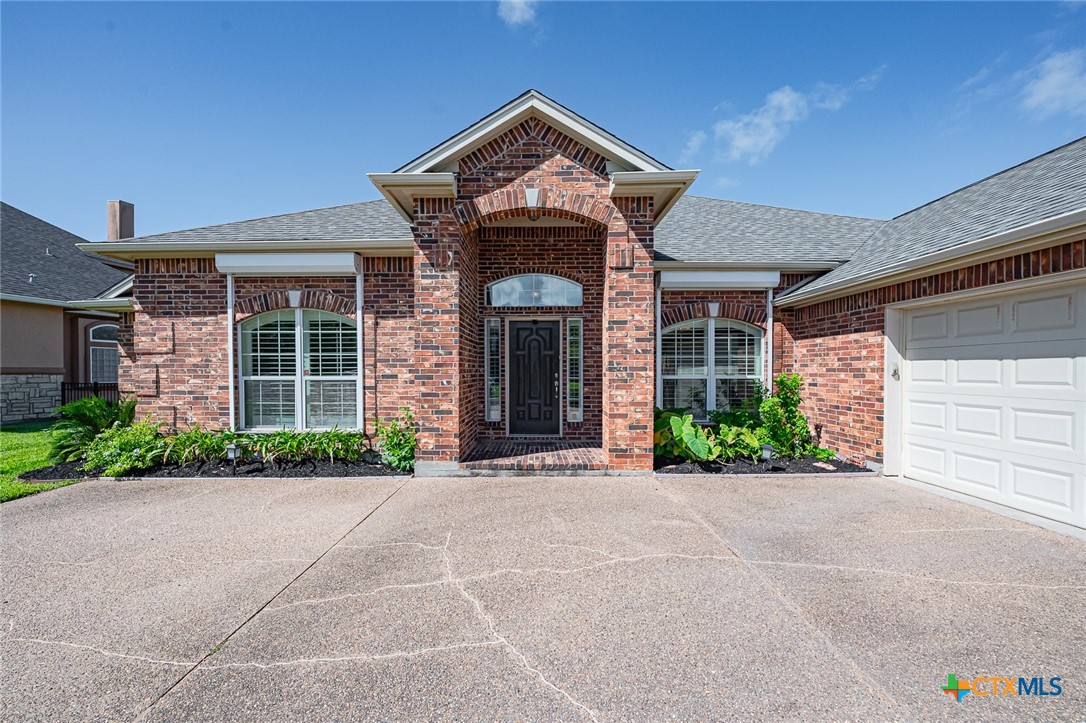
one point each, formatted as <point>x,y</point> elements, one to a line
<point>535,277</point>
<point>45,339</point>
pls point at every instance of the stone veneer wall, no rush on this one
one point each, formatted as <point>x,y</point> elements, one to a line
<point>29,396</point>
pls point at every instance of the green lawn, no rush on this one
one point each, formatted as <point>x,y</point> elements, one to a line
<point>24,447</point>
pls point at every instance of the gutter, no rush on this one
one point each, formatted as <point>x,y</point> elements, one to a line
<point>747,265</point>
<point>36,300</point>
<point>1058,226</point>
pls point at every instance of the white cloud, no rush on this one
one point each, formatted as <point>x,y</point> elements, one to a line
<point>693,145</point>
<point>753,136</point>
<point>1057,85</point>
<point>517,12</point>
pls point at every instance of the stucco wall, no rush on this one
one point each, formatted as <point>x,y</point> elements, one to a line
<point>31,338</point>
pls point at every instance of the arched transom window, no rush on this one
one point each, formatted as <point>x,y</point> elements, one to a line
<point>299,368</point>
<point>534,290</point>
<point>709,364</point>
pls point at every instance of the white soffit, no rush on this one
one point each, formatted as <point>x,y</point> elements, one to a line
<point>401,189</point>
<point>666,187</point>
<point>318,264</point>
<point>697,280</point>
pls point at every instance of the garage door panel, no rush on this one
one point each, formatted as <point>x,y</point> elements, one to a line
<point>994,400</point>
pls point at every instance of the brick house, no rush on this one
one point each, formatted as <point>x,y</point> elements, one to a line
<point>535,278</point>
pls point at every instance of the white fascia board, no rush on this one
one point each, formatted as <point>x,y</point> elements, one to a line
<point>401,189</point>
<point>666,187</point>
<point>812,266</point>
<point>326,264</point>
<point>909,268</point>
<point>124,286</point>
<point>119,305</point>
<point>704,280</point>
<point>546,110</point>
<point>35,300</point>
<point>181,249</point>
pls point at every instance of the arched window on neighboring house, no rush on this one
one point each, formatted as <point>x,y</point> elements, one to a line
<point>103,354</point>
<point>710,364</point>
<point>299,369</point>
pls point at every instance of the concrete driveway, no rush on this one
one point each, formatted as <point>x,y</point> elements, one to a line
<point>530,598</point>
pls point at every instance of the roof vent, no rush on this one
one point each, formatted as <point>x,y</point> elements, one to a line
<point>31,278</point>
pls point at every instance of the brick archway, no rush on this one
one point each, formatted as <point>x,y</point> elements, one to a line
<point>511,203</point>
<point>728,310</point>
<point>319,299</point>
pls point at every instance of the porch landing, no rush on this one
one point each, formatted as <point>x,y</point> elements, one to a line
<point>528,456</point>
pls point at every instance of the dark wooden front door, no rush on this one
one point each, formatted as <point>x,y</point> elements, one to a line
<point>534,357</point>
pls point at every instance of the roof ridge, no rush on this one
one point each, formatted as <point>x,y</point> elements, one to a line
<point>991,176</point>
<point>787,208</point>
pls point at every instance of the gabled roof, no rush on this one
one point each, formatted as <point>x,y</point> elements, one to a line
<point>701,229</point>
<point>30,246</point>
<point>443,157</point>
<point>1042,189</point>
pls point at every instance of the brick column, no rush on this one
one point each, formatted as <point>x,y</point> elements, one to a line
<point>437,337</point>
<point>629,337</point>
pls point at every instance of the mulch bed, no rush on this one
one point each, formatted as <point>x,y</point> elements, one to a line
<point>804,465</point>
<point>307,468</point>
<point>57,472</point>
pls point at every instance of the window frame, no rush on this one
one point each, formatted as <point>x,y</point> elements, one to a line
<point>299,377</point>
<point>710,377</point>
<point>93,345</point>
<point>489,288</point>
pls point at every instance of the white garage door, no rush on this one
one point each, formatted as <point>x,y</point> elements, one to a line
<point>995,400</point>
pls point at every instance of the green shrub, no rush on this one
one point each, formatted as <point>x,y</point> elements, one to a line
<point>120,450</point>
<point>677,435</point>
<point>83,420</point>
<point>783,425</point>
<point>396,441</point>
<point>746,415</point>
<point>198,445</point>
<point>738,442</point>
<point>337,444</point>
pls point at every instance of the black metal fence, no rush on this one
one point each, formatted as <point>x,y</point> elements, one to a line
<point>71,391</point>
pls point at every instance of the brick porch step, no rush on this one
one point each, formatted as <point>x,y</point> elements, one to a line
<point>530,455</point>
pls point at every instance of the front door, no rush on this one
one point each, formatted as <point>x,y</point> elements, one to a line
<point>534,360</point>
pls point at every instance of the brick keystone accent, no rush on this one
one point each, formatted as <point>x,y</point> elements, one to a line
<point>280,299</point>
<point>511,202</point>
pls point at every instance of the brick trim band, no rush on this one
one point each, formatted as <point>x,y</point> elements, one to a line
<point>512,203</point>
<point>280,299</point>
<point>728,310</point>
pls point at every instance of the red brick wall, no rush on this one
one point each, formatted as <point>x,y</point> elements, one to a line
<point>837,345</point>
<point>572,253</point>
<point>174,344</point>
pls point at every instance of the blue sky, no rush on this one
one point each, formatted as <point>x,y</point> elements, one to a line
<point>203,113</point>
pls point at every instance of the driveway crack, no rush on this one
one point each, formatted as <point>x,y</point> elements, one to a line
<point>268,602</point>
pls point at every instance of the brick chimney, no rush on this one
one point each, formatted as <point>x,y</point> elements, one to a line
<point>120,220</point>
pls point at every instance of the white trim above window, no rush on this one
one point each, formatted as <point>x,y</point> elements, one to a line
<point>334,263</point>
<point>705,280</point>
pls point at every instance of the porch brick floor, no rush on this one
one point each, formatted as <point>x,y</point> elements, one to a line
<point>512,454</point>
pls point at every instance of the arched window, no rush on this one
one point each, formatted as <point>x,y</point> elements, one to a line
<point>299,368</point>
<point>709,364</point>
<point>534,290</point>
<point>104,356</point>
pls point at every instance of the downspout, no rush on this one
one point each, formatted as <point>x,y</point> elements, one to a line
<point>359,298</point>
<point>769,337</point>
<point>230,345</point>
<point>659,349</point>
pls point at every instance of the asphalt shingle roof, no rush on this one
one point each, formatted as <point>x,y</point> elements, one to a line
<point>64,274</point>
<point>368,220</point>
<point>710,229</point>
<point>1047,186</point>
